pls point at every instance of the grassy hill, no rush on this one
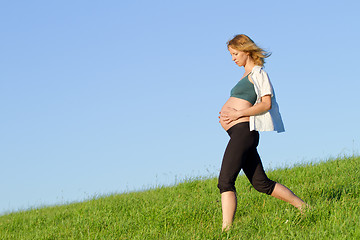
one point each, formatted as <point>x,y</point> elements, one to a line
<point>192,210</point>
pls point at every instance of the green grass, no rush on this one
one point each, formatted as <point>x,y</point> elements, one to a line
<point>192,210</point>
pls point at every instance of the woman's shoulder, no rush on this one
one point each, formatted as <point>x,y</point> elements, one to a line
<point>258,70</point>
<point>258,74</point>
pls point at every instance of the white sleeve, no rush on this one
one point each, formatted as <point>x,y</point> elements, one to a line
<point>264,84</point>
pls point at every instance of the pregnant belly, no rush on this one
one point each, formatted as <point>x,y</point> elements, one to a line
<point>238,104</point>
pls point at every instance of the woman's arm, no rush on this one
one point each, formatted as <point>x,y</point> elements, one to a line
<point>231,114</point>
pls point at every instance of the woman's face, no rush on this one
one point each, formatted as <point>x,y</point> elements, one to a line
<point>239,57</point>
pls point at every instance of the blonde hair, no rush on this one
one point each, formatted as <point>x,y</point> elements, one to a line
<point>243,43</point>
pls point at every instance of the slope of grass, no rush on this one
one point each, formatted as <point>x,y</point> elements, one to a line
<point>192,210</point>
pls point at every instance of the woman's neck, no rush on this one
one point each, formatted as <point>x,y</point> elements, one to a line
<point>249,65</point>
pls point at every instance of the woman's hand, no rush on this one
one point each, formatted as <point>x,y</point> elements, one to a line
<point>229,114</point>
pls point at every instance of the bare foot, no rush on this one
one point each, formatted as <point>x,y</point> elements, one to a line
<point>226,227</point>
<point>304,208</point>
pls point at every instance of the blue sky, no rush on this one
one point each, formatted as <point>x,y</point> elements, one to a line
<point>113,96</point>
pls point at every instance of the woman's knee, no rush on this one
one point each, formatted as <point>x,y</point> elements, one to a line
<point>225,186</point>
<point>266,187</point>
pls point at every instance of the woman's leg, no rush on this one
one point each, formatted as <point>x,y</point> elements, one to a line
<point>256,175</point>
<point>228,204</point>
<point>235,153</point>
<point>283,193</point>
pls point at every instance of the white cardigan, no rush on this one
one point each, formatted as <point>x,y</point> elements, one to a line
<point>270,120</point>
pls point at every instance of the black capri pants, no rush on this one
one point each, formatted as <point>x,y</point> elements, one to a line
<point>240,154</point>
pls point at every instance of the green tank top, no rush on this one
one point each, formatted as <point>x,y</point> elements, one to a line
<point>244,89</point>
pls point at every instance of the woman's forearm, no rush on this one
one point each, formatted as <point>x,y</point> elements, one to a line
<point>258,108</point>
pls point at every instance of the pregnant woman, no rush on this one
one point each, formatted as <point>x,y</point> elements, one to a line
<point>251,108</point>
